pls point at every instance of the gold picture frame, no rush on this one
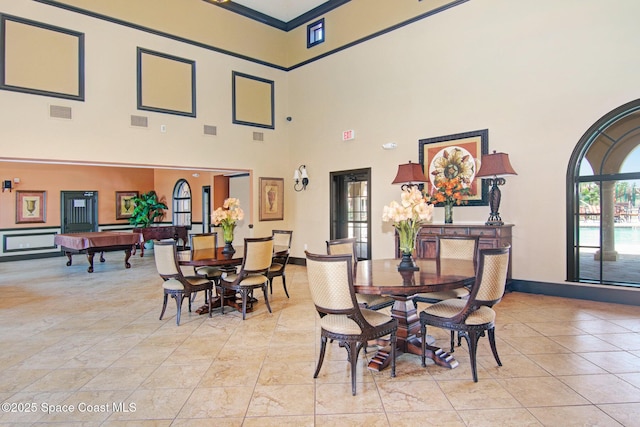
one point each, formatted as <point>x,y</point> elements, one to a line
<point>473,144</point>
<point>271,199</point>
<point>124,204</point>
<point>31,206</point>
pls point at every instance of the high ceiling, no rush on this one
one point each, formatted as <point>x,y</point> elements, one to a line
<point>283,10</point>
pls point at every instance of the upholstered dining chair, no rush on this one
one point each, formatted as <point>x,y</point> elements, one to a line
<point>175,283</point>
<point>473,316</point>
<point>347,246</point>
<point>451,248</point>
<point>281,238</point>
<point>341,317</point>
<point>258,253</point>
<point>205,243</point>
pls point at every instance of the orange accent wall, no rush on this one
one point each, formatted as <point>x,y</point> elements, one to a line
<point>220,190</point>
<point>105,180</point>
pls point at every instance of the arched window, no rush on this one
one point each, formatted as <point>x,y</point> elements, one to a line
<point>182,203</point>
<point>603,200</point>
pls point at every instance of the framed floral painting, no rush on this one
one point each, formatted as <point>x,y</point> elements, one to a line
<point>456,156</point>
<point>271,199</point>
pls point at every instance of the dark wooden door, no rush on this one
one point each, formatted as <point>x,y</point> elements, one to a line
<point>79,211</point>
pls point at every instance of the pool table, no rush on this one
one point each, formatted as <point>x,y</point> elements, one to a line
<point>98,242</point>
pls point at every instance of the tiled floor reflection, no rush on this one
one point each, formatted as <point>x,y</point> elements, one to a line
<point>93,343</point>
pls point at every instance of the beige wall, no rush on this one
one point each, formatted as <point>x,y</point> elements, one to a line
<point>536,74</point>
<point>533,73</point>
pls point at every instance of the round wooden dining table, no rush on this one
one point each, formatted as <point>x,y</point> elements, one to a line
<point>227,263</point>
<point>381,277</point>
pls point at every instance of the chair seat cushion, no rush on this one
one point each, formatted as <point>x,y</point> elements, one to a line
<point>209,271</point>
<point>341,324</point>
<point>444,295</point>
<point>197,280</point>
<point>173,285</point>
<point>373,300</point>
<point>251,280</point>
<point>451,307</point>
<point>276,267</point>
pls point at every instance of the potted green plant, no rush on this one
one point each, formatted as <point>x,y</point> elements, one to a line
<point>147,208</point>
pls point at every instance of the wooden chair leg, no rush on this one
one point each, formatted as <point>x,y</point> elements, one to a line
<point>323,347</point>
<point>178,297</point>
<point>423,335</point>
<point>353,350</point>
<point>473,347</point>
<point>244,293</point>
<point>164,305</point>
<point>492,342</point>
<point>266,298</point>
<point>394,340</point>
<point>284,285</point>
<point>221,293</point>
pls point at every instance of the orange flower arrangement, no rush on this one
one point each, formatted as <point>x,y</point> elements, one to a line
<point>450,192</point>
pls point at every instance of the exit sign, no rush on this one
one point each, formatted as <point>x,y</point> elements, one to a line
<point>348,135</point>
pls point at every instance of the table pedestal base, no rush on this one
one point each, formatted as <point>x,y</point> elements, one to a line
<point>408,340</point>
<point>228,302</point>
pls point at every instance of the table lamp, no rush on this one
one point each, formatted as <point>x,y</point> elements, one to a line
<point>493,165</point>
<point>409,173</point>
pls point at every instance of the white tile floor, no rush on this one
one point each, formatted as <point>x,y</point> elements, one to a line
<point>94,341</point>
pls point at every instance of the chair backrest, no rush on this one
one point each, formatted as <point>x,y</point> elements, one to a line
<point>258,252</point>
<point>282,237</point>
<point>491,276</point>
<point>204,241</point>
<point>331,283</point>
<point>456,247</point>
<point>346,246</point>
<point>164,252</point>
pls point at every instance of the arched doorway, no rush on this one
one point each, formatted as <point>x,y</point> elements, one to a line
<point>603,201</point>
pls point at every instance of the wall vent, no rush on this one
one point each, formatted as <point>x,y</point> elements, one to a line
<point>59,112</point>
<point>210,130</point>
<point>258,136</point>
<point>140,121</point>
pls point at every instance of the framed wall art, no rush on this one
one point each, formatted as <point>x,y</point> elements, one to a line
<point>457,155</point>
<point>124,204</point>
<point>271,199</point>
<point>31,206</point>
<point>166,83</point>
<point>253,100</point>
<point>41,59</point>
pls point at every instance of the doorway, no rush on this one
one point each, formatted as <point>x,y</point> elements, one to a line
<point>206,209</point>
<point>350,207</point>
<point>603,201</point>
<point>79,211</point>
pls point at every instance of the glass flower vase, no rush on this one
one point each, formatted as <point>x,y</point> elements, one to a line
<point>448,214</point>
<point>227,235</point>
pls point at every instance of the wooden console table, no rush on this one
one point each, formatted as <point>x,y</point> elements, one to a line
<point>175,232</point>
<point>489,236</point>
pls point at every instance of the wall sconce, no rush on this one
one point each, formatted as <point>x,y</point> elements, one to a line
<point>301,172</point>
<point>8,185</point>
<point>409,173</point>
<point>493,165</point>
